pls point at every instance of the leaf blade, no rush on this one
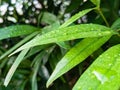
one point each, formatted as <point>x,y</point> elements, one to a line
<point>14,66</point>
<point>13,31</point>
<point>76,55</point>
<point>69,33</point>
<point>96,2</point>
<point>75,17</point>
<point>102,74</point>
<point>18,44</point>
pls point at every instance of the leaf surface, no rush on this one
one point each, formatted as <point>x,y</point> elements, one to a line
<point>48,18</point>
<point>75,17</point>
<point>96,2</point>
<point>36,66</point>
<point>103,74</point>
<point>18,30</point>
<point>116,24</point>
<point>14,66</point>
<point>76,55</point>
<point>19,44</point>
<point>68,33</point>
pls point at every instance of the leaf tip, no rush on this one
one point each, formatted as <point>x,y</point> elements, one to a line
<point>5,83</point>
<point>49,83</point>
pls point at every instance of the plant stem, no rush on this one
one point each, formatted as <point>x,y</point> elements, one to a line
<point>99,10</point>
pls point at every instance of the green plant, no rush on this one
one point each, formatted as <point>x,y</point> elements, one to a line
<point>72,45</point>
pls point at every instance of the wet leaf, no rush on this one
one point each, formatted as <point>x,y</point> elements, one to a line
<point>76,55</point>
<point>52,27</point>
<point>103,74</point>
<point>68,33</point>
<point>18,44</point>
<point>18,30</point>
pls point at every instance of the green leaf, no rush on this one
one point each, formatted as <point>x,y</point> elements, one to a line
<point>14,66</point>
<point>35,50</point>
<point>18,30</point>
<point>37,63</point>
<point>52,27</point>
<point>75,17</point>
<point>103,74</point>
<point>19,44</point>
<point>76,55</point>
<point>74,4</point>
<point>116,24</point>
<point>96,2</point>
<point>68,33</point>
<point>48,18</point>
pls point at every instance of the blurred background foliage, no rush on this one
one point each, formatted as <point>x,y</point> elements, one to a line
<point>41,60</point>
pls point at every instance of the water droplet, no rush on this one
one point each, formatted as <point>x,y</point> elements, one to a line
<point>102,78</point>
<point>100,34</point>
<point>110,64</point>
<point>79,87</point>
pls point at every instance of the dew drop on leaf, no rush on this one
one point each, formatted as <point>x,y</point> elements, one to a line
<point>102,78</point>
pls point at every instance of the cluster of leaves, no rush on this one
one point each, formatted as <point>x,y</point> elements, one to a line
<point>57,48</point>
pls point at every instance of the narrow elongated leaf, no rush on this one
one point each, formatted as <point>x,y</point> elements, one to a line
<point>52,27</point>
<point>116,24</point>
<point>75,17</point>
<point>76,55</point>
<point>73,5</point>
<point>68,33</point>
<point>19,44</point>
<point>48,18</point>
<point>103,74</point>
<point>37,63</point>
<point>96,2</point>
<point>14,66</point>
<point>18,30</point>
<point>35,50</point>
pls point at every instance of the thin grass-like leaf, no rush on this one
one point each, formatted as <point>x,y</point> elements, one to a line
<point>96,2</point>
<point>69,33</point>
<point>14,66</point>
<point>37,60</point>
<point>76,55</point>
<point>18,30</point>
<point>75,17</point>
<point>19,44</point>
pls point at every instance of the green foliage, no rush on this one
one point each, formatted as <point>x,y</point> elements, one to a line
<point>76,55</point>
<point>96,2</point>
<point>14,66</point>
<point>75,17</point>
<point>83,47</point>
<point>14,31</point>
<point>67,33</point>
<point>103,73</point>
